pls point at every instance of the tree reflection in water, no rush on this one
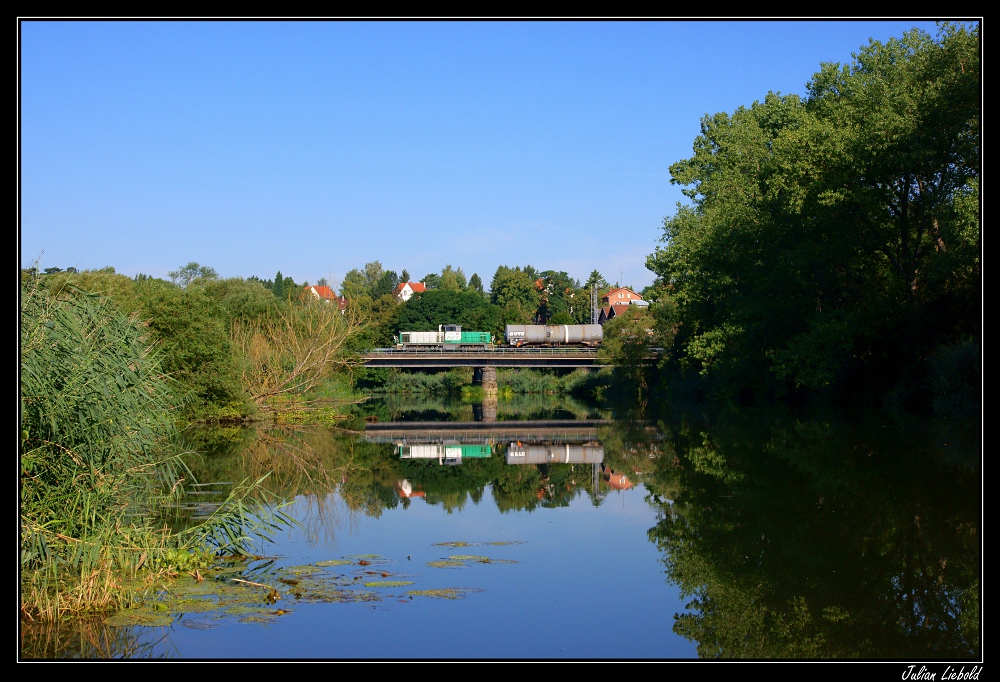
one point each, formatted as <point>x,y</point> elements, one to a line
<point>821,538</point>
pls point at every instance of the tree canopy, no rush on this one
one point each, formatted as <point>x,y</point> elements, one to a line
<point>833,238</point>
<point>426,310</point>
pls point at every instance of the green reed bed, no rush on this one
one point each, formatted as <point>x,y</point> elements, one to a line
<point>95,408</point>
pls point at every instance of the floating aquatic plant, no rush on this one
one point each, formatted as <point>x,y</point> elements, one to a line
<point>140,616</point>
<point>445,592</point>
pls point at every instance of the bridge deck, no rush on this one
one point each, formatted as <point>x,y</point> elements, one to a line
<point>557,430</point>
<point>481,357</point>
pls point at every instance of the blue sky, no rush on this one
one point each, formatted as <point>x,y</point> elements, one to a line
<point>315,147</point>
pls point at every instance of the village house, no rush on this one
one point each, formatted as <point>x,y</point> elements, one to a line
<point>616,301</point>
<point>622,295</point>
<point>324,293</point>
<point>404,290</point>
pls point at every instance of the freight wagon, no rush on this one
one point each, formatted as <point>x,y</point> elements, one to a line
<point>447,336</point>
<point>553,334</point>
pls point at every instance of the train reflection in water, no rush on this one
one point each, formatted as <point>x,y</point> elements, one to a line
<point>561,453</point>
<point>450,454</point>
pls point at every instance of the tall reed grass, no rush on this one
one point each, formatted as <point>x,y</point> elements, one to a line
<point>94,409</point>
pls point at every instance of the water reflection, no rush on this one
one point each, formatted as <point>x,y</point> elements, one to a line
<point>837,537</point>
<point>788,535</point>
<point>93,639</point>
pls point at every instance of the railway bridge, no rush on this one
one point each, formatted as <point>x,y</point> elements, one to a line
<point>428,358</point>
<point>484,361</point>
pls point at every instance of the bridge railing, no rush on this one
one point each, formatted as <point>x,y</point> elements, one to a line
<point>497,351</point>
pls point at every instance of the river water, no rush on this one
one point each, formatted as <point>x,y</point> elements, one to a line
<point>547,528</point>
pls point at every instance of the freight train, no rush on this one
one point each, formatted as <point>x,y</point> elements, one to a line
<point>515,335</point>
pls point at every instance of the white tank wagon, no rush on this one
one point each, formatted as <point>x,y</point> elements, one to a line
<point>553,334</point>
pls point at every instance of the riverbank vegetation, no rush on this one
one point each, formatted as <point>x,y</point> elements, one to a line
<point>234,350</point>
<point>96,406</point>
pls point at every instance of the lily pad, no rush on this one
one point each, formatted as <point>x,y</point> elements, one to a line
<point>245,610</point>
<point>470,558</point>
<point>445,592</point>
<point>364,556</point>
<point>191,605</point>
<point>503,543</point>
<point>455,544</point>
<point>140,616</point>
<point>446,563</point>
<point>388,583</point>
<point>335,562</point>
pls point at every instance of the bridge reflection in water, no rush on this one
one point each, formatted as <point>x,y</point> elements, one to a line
<point>542,442</point>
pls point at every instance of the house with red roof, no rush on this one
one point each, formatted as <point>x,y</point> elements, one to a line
<point>615,480</point>
<point>320,293</point>
<point>611,312</point>
<point>404,290</point>
<point>324,293</point>
<point>622,295</point>
<point>616,301</point>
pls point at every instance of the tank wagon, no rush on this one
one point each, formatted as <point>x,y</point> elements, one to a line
<point>447,336</point>
<point>553,334</point>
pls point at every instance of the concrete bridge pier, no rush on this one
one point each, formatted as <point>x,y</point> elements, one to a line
<point>487,378</point>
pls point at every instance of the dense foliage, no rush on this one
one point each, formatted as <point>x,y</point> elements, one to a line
<point>832,241</point>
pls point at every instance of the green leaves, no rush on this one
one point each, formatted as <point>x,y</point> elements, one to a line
<point>834,237</point>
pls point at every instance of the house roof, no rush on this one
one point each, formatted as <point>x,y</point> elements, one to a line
<point>324,292</point>
<point>616,290</point>
<point>614,309</point>
<point>619,481</point>
<point>415,287</point>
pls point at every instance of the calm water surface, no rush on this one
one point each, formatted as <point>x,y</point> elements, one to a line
<point>568,535</point>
